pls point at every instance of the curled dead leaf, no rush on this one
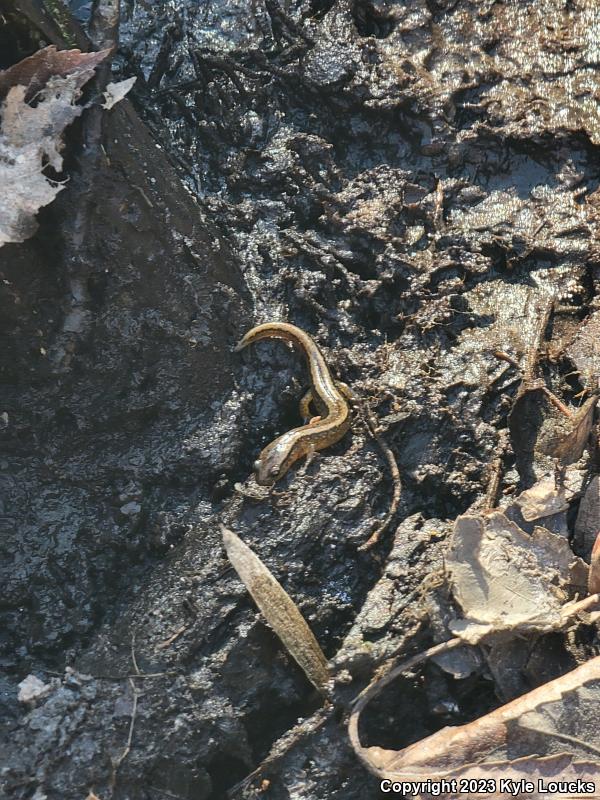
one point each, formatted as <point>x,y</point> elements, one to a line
<point>549,733</point>
<point>279,609</point>
<point>543,429</point>
<point>35,71</point>
<point>572,437</point>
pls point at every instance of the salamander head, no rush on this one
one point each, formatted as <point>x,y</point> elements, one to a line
<point>274,461</point>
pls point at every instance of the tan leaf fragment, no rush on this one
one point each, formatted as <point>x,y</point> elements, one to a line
<point>505,580</point>
<point>594,574</point>
<point>542,500</point>
<point>573,434</point>
<point>550,495</point>
<point>550,733</point>
<point>115,92</point>
<point>31,135</point>
<point>587,524</point>
<point>279,609</point>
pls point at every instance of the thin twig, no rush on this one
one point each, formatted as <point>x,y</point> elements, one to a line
<point>283,745</point>
<point>534,353</point>
<point>116,764</point>
<point>371,426</point>
<point>509,359</point>
<point>379,683</point>
<point>491,497</point>
<point>140,675</point>
<point>173,637</point>
<point>133,658</point>
<point>557,403</point>
<point>101,677</point>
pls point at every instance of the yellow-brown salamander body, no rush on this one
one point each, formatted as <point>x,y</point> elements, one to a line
<point>328,396</point>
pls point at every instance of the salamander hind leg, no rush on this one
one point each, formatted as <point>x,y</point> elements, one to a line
<point>305,411</point>
<point>305,402</point>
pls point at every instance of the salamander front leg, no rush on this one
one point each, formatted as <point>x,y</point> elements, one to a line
<point>310,455</point>
<point>346,391</point>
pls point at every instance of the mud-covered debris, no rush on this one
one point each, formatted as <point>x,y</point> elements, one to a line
<point>31,133</point>
<point>32,689</point>
<point>115,92</point>
<point>462,661</point>
<point>550,495</point>
<point>558,96</point>
<point>382,620</point>
<point>429,238</point>
<point>549,733</point>
<point>543,430</point>
<point>584,349</point>
<point>587,524</point>
<point>505,580</point>
<point>279,610</point>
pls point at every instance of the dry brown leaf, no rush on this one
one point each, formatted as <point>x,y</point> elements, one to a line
<point>31,135</point>
<point>35,71</point>
<point>506,580</point>
<point>279,609</point>
<point>548,734</point>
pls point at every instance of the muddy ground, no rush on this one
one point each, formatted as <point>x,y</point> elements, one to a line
<point>413,183</point>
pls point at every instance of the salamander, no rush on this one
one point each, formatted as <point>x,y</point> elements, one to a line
<point>329,397</point>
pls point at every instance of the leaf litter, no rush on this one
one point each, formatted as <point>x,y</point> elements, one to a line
<point>40,103</point>
<point>512,581</point>
<point>509,582</point>
<point>524,739</point>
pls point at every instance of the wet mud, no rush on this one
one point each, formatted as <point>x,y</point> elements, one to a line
<point>413,184</point>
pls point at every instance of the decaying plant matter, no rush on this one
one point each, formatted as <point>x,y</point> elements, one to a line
<point>39,100</point>
<point>548,735</point>
<point>279,610</point>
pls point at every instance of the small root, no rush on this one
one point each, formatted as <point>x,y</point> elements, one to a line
<point>371,425</point>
